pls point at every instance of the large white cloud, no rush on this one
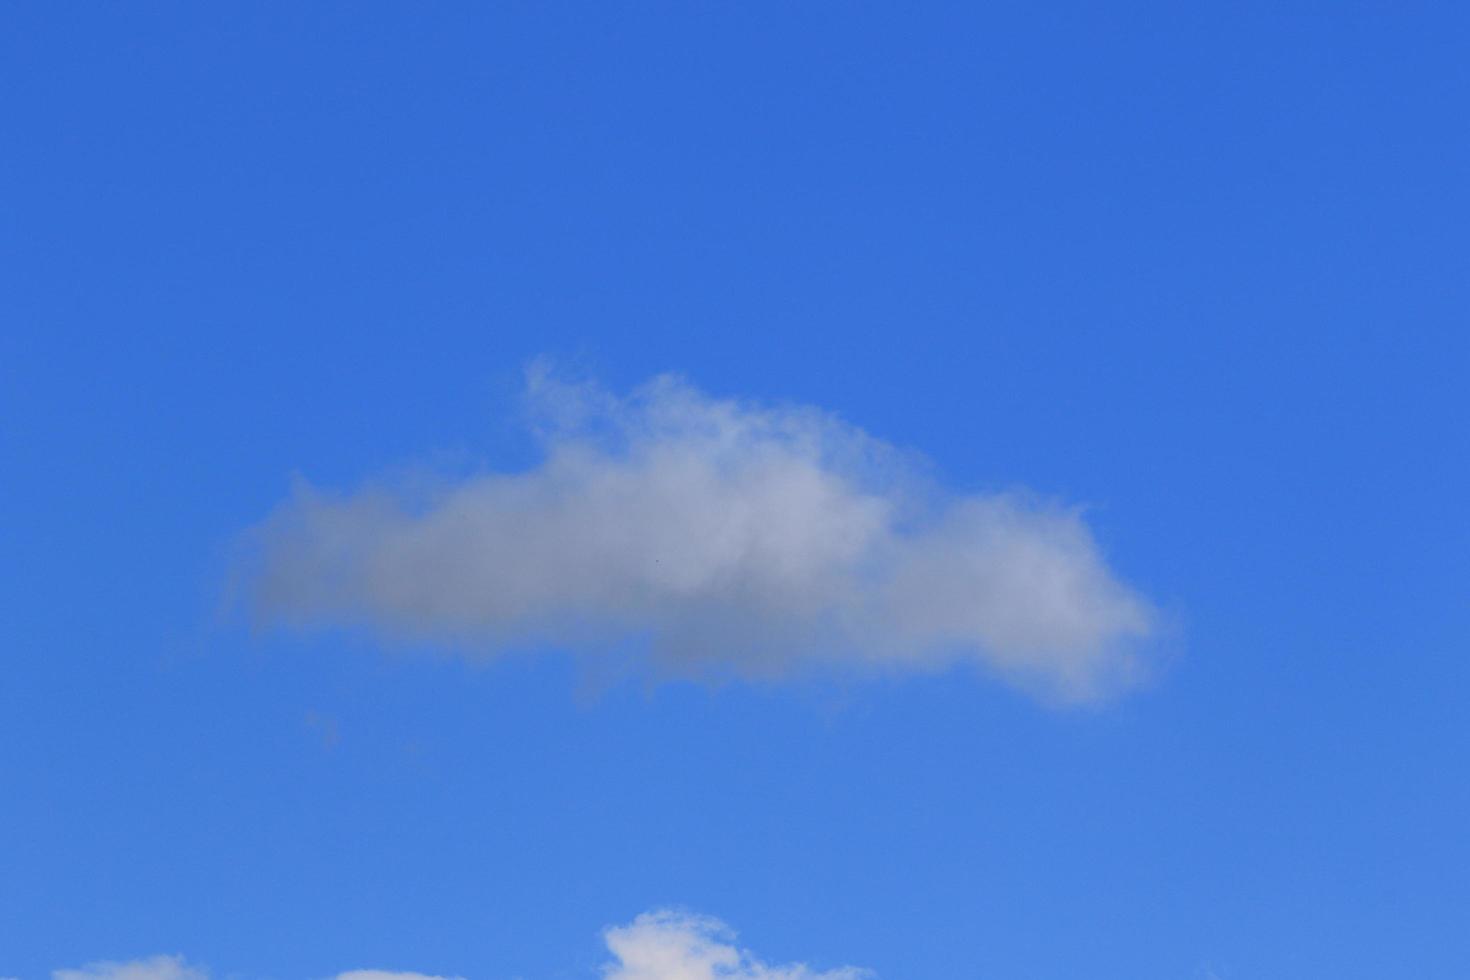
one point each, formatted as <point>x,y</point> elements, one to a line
<point>720,535</point>
<point>661,945</point>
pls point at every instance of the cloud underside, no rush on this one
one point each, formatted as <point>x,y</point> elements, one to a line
<point>663,945</point>
<point>718,536</point>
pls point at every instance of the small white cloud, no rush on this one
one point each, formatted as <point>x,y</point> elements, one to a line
<point>153,968</point>
<point>662,945</point>
<point>175,968</point>
<point>669,945</point>
<point>730,537</point>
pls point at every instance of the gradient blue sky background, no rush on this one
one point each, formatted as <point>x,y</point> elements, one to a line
<point>1201,267</point>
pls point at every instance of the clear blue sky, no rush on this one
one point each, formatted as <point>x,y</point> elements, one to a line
<point>1201,268</point>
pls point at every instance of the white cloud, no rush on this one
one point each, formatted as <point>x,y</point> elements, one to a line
<point>675,946</point>
<point>153,968</point>
<point>729,537</point>
<point>661,945</point>
<point>175,968</point>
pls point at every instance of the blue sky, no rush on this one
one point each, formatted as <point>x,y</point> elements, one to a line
<point>1191,277</point>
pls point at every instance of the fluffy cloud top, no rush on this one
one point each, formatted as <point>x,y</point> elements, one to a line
<point>722,536</point>
<point>675,946</point>
<point>655,946</point>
